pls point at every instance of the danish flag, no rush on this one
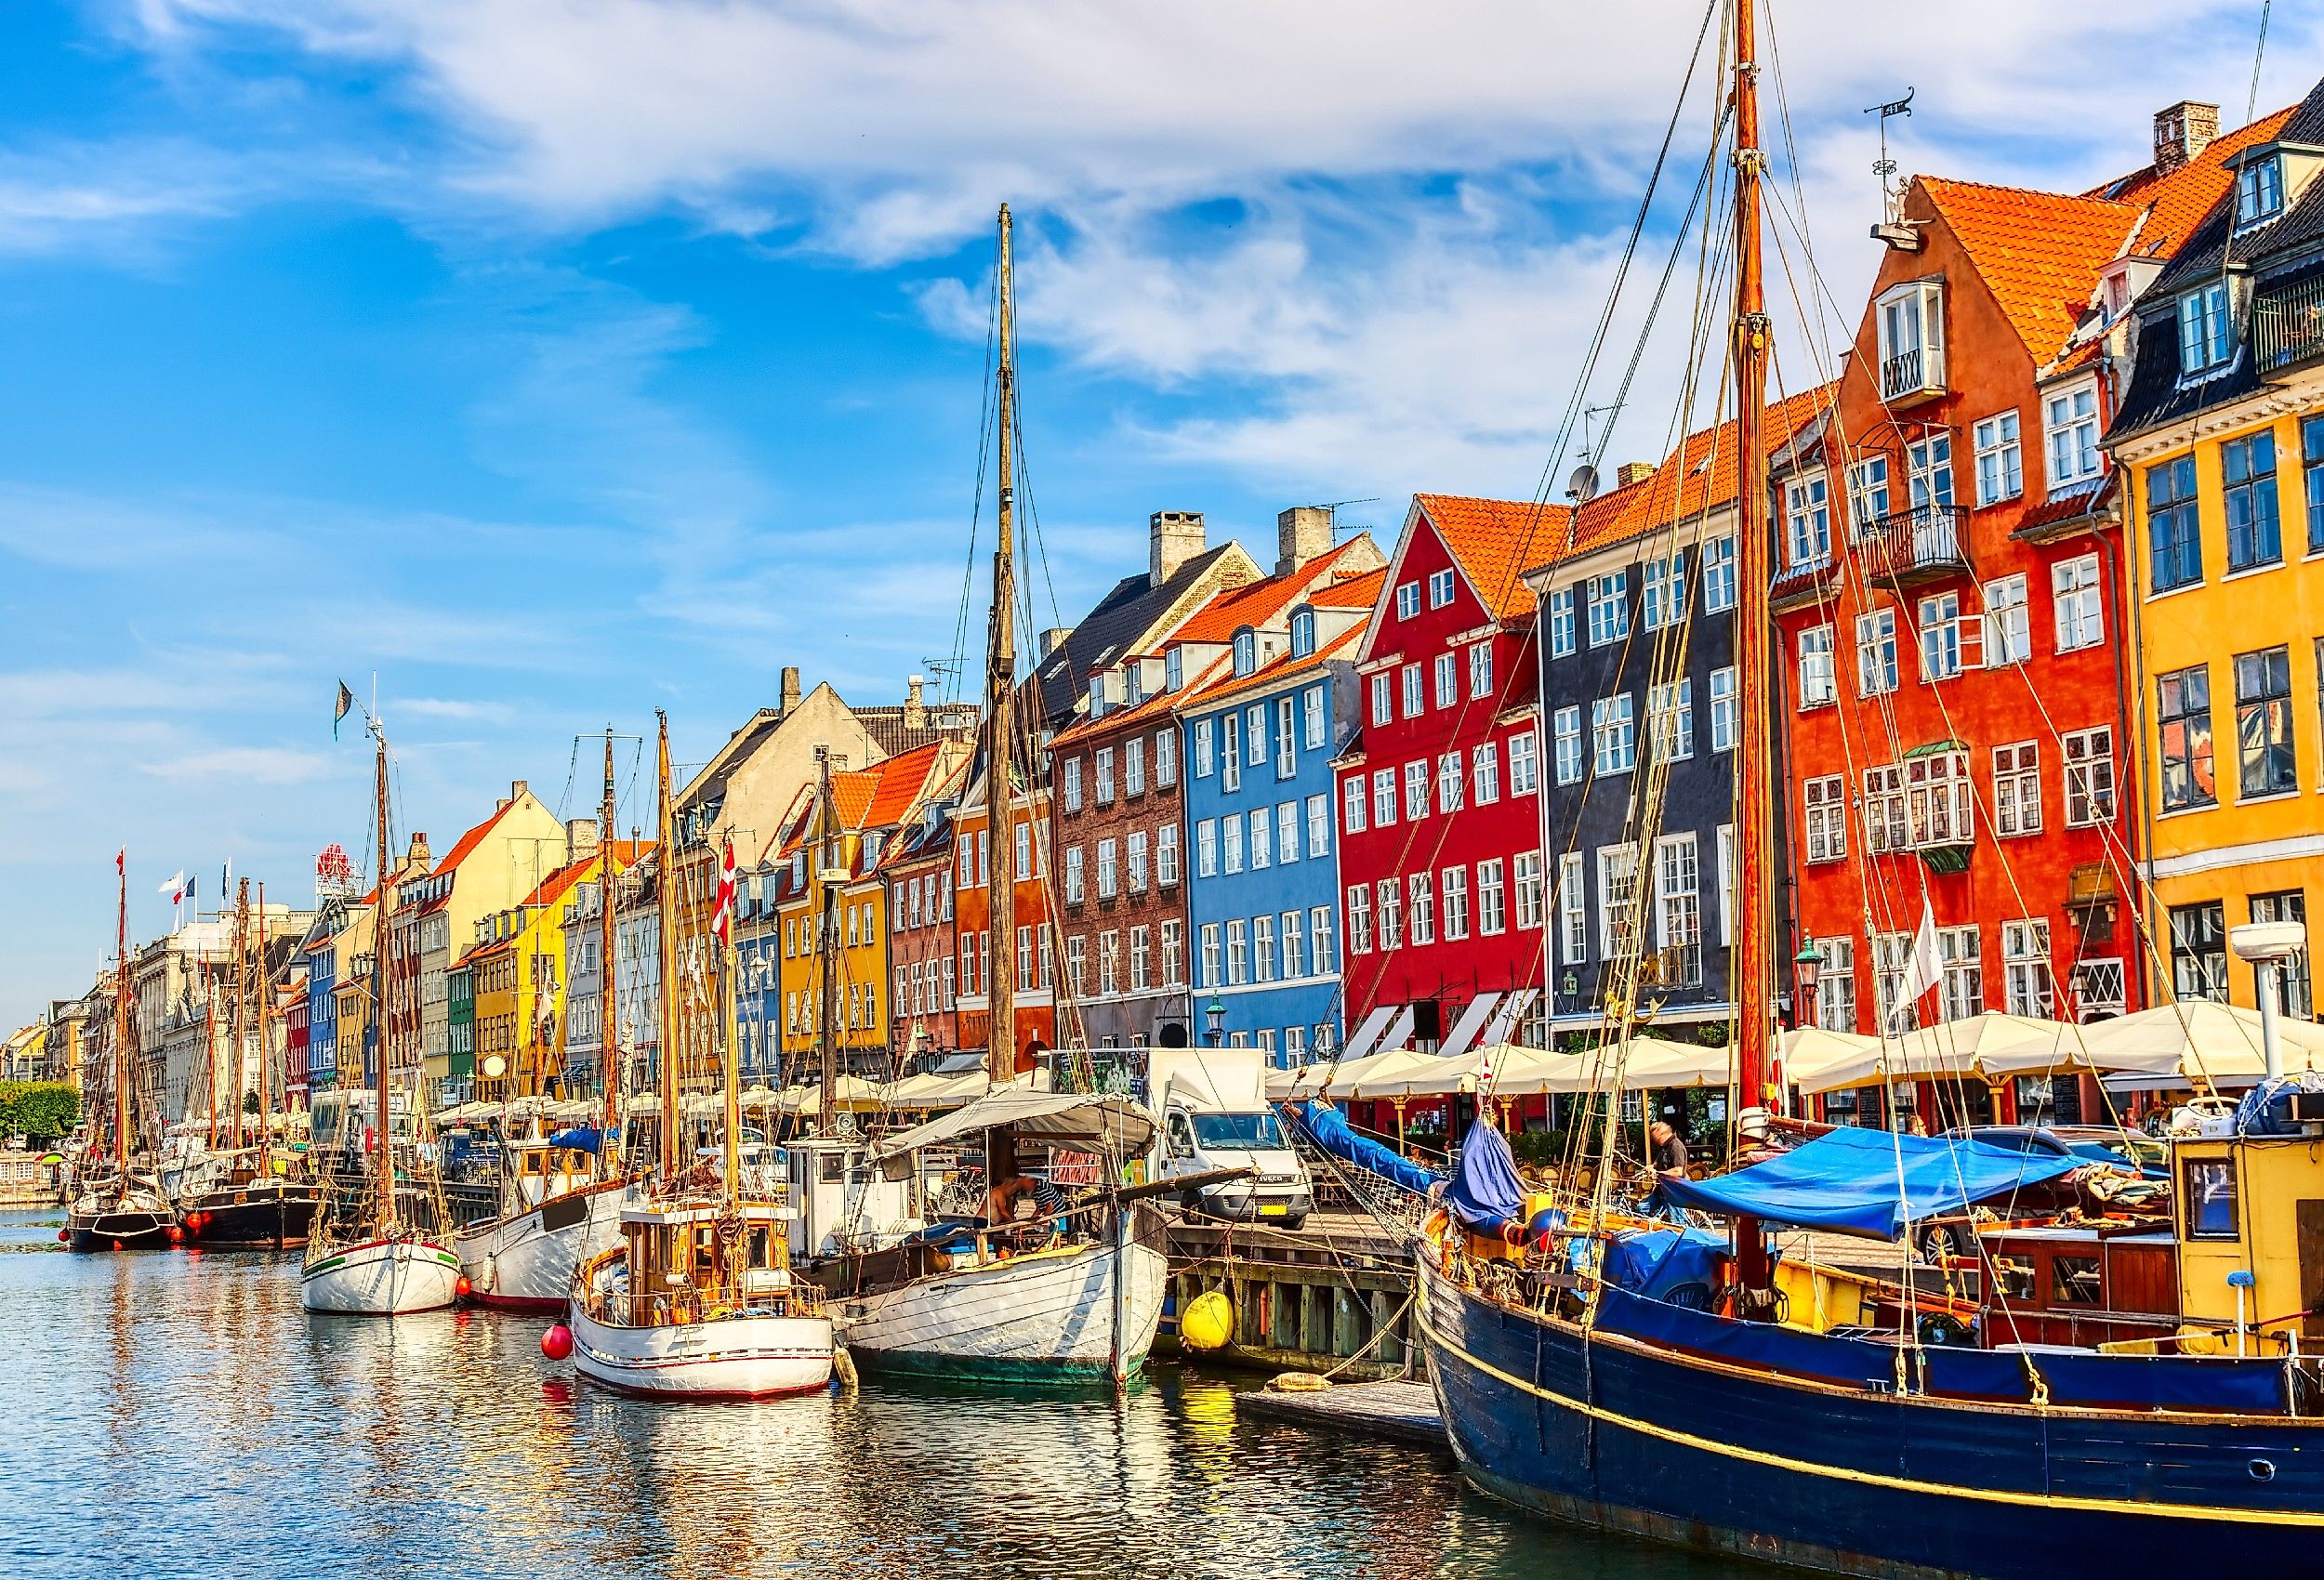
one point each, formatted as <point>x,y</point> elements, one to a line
<point>722,919</point>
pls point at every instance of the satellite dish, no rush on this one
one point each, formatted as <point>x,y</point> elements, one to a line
<point>495,1067</point>
<point>1582,486</point>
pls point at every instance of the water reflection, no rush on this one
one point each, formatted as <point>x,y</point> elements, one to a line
<point>178,1414</point>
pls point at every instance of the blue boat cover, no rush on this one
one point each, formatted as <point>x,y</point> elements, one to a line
<point>2267,1108</point>
<point>1485,1192</point>
<point>1329,1129</point>
<point>581,1139</point>
<point>1870,1182</point>
<point>1654,1262</point>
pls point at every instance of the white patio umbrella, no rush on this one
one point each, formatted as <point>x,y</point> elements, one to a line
<point>2199,1040</point>
<point>1988,1044</point>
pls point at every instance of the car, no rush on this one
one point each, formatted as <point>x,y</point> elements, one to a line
<point>1938,1239</point>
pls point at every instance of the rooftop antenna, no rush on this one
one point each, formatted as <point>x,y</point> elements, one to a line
<point>1582,484</point>
<point>1892,195</point>
<point>1334,508</point>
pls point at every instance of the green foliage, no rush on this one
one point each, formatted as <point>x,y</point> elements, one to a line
<point>40,1111</point>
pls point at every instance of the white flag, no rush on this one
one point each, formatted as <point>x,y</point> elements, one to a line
<point>175,887</point>
<point>1925,968</point>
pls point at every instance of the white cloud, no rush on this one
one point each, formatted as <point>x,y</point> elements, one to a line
<point>240,765</point>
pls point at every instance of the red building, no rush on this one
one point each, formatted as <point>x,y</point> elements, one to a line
<point>1442,887</point>
<point>1951,626</point>
<point>923,939</point>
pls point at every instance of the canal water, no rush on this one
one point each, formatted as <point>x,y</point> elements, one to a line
<point>175,1413</point>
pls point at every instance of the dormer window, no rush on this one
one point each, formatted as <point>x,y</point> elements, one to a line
<point>1911,340</point>
<point>2259,190</point>
<point>1440,588</point>
<point>1097,696</point>
<point>1246,651</point>
<point>1302,633</point>
<point>1173,670</point>
<point>1132,678</point>
<point>2204,340</point>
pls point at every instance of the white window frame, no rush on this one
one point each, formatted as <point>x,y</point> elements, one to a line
<point>1999,458</point>
<point>2069,437</point>
<point>2078,606</point>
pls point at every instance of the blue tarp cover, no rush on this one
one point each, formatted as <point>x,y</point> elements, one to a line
<point>1653,1262</point>
<point>1849,1181</point>
<point>1327,1128</point>
<point>581,1139</point>
<point>1485,1192</point>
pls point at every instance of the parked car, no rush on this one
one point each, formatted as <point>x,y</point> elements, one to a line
<point>2131,1153</point>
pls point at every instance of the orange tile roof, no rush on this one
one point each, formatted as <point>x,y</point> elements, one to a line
<point>1255,603</point>
<point>1359,591</point>
<point>2177,202</point>
<point>1145,707</point>
<point>1702,474</point>
<point>1495,540</point>
<point>1279,669</point>
<point>2039,254</point>
<point>898,783</point>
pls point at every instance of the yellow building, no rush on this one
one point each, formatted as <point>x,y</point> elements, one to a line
<point>2219,436</point>
<point>519,966</point>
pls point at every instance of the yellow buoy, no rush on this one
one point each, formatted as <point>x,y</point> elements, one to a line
<point>1208,1322</point>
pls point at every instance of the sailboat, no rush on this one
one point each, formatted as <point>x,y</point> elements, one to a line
<point>120,1211</point>
<point>563,1193</point>
<point>1783,1412</point>
<point>1070,1297</point>
<point>698,1301</point>
<point>370,1257</point>
<point>250,1199</point>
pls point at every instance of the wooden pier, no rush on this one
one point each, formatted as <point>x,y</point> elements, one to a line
<point>1405,1411</point>
<point>1304,1301</point>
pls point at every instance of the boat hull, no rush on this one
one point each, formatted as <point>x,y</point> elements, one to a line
<point>260,1216</point>
<point>128,1226</point>
<point>1624,1436</point>
<point>381,1278</point>
<point>1046,1317</point>
<point>743,1357</point>
<point>525,1261</point>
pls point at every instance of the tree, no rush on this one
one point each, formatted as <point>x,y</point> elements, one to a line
<point>39,1111</point>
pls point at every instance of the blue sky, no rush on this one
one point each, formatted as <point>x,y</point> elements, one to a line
<point>557,359</point>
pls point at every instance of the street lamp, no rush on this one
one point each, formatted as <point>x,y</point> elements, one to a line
<point>1213,1013</point>
<point>1804,966</point>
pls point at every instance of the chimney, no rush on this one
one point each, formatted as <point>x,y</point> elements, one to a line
<point>420,856</point>
<point>1302,533</point>
<point>1054,638</point>
<point>1630,473</point>
<point>790,687</point>
<point>580,838</point>
<point>2183,132</point>
<point>914,708</point>
<point>1177,536</point>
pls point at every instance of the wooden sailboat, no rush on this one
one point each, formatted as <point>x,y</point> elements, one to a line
<point>558,1210</point>
<point>375,1258</point>
<point>698,1300</point>
<point>1072,1296</point>
<point>117,1210</point>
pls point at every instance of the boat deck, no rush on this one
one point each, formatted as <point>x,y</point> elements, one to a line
<point>1404,1411</point>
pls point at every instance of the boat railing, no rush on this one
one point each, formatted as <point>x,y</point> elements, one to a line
<point>684,1308</point>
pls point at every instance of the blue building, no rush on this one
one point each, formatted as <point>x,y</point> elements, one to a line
<point>321,955</point>
<point>1262,839</point>
<point>758,1001</point>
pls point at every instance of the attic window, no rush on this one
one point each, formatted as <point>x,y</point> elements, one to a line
<point>1133,677</point>
<point>1246,651</point>
<point>2259,190</point>
<point>2204,340</point>
<point>1302,633</point>
<point>1173,670</point>
<point>1097,696</point>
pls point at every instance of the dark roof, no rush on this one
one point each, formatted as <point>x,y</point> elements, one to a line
<point>1119,616</point>
<point>885,727</point>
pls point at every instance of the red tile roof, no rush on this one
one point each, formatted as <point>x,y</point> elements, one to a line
<point>2039,254</point>
<point>1702,474</point>
<point>1359,591</point>
<point>1281,667</point>
<point>1495,540</point>
<point>1255,603</point>
<point>2177,202</point>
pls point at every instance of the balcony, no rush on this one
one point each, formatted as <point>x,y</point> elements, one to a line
<point>1912,376</point>
<point>2288,326</point>
<point>1913,546</point>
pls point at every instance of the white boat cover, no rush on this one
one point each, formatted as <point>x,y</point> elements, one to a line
<point>1114,1125</point>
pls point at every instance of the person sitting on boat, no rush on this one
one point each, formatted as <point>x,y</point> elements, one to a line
<point>1668,1158</point>
<point>1048,1201</point>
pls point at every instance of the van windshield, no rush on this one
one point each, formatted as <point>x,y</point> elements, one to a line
<point>1245,1130</point>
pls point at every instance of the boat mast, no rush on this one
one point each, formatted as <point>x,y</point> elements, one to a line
<point>266,997</point>
<point>731,1065</point>
<point>1754,944</point>
<point>120,1038</point>
<point>209,1038</point>
<point>668,998</point>
<point>827,940</point>
<point>240,1015</point>
<point>608,1055</point>
<point>384,1183</point>
<point>1000,1037</point>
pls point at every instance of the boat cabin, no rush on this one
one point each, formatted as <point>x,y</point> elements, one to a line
<point>2080,1284</point>
<point>2249,1215</point>
<point>679,1273</point>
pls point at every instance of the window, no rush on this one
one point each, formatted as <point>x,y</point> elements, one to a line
<point>1359,918</point>
<point>1408,600</point>
<point>1868,494</point>
<point>1525,868</point>
<point>1319,939</point>
<point>1718,576</point>
<point>1262,949</point>
<point>1722,707</point>
<point>1108,880</point>
<point>1211,958</point>
<point>1286,832</point>
<point>2291,977</point>
<point>2312,473</point>
<point>1492,900</point>
<point>1352,809</point>
<point>1819,685</point>
<point>1836,985</point>
<point>1384,798</point>
<point>1454,881</point>
<point>1964,979</point>
<point>1134,766</point>
<point>1940,636</point>
<point>1173,669</point>
<point>1072,874</point>
<point>1384,698</point>
<point>1827,819</point>
<point>1255,728</point>
<point>1937,802</point>
<point>2088,777</point>
<point>2026,968</point>
<point>1421,910</point>
<point>2182,717</point>
<point>1876,652</point>
<point>1564,746</point>
<point>1480,670</point>
<point>1808,515</point>
<point>1024,852</point>
<point>1105,776</point>
<point>2069,437</point>
<point>1312,717</point>
<point>1609,608</point>
<point>1448,780</point>
<point>1929,472</point>
<point>1286,737</point>
<point>2075,602</point>
<point>1447,679</point>
<point>2017,788</point>
<point>2208,1186</point>
<point>1319,826</point>
<point>2259,190</point>
<point>1485,774</point>
<point>1415,791</point>
<point>1521,763</point>
<point>1073,785</point>
<point>1671,719</point>
<point>1613,734</point>
<point>2204,341</point>
<point>1391,897</point>
<point>1294,947</point>
<point>1246,651</point>
<point>1231,750</point>
<point>1679,910</point>
<point>2247,469</point>
<point>1440,588</point>
<point>1411,674</point>
<point>1999,472</point>
<point>1302,633</point>
<point>1662,598</point>
<point>1563,624</point>
<point>1231,844</point>
<point>1237,953</point>
<point>2173,530</point>
<point>2199,950</point>
<point>1203,747</point>
<point>1892,955</point>
<point>1573,910</point>
<point>1165,856</point>
<point>1884,810</point>
<point>1206,847</point>
<point>1911,343</point>
<point>2264,750</point>
<point>1140,959</point>
<point>1136,854</point>
<point>1617,898</point>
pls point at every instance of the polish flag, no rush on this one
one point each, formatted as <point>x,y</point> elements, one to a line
<point>722,920</point>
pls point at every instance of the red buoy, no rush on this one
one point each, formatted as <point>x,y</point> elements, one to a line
<point>462,1288</point>
<point>116,1244</point>
<point>177,1235</point>
<point>556,1343</point>
<point>65,1237</point>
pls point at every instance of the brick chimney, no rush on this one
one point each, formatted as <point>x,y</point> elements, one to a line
<point>914,706</point>
<point>790,687</point>
<point>1054,638</point>
<point>1630,473</point>
<point>2183,132</point>
<point>580,838</point>
<point>1302,533</point>
<point>1175,537</point>
<point>420,856</point>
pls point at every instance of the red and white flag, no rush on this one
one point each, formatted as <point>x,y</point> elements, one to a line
<point>722,920</point>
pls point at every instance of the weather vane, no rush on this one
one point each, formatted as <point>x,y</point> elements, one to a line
<point>1885,167</point>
